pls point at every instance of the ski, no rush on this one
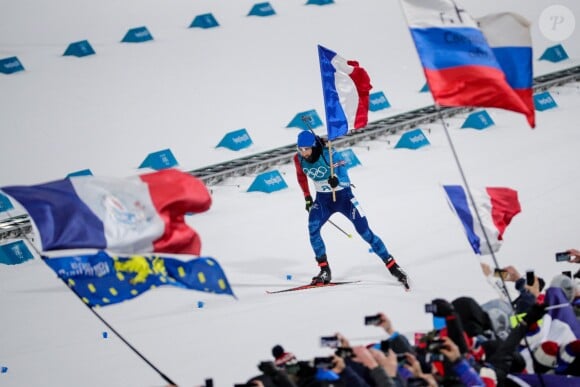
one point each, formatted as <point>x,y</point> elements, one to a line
<point>309,286</point>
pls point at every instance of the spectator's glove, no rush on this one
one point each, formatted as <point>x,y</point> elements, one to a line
<point>534,313</point>
<point>333,181</point>
<point>443,308</point>
<point>309,202</point>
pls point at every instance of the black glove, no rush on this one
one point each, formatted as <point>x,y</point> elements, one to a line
<point>442,308</point>
<point>333,181</point>
<point>309,202</point>
<point>535,313</point>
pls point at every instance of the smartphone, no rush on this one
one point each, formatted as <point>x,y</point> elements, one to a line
<point>344,352</point>
<point>385,346</point>
<point>500,273</point>
<point>373,320</point>
<point>430,308</point>
<point>563,256</point>
<point>329,341</point>
<point>435,345</point>
<point>324,362</point>
<point>530,277</point>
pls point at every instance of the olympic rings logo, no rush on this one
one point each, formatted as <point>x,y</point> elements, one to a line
<point>316,173</point>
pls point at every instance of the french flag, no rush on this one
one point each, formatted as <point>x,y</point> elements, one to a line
<point>139,214</point>
<point>560,322</point>
<point>458,62</point>
<point>509,37</point>
<point>496,207</point>
<point>345,87</point>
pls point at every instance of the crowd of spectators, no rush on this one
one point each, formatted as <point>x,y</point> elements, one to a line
<point>530,340</point>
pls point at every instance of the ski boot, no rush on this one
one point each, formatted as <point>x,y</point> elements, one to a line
<point>324,277</point>
<point>398,272</point>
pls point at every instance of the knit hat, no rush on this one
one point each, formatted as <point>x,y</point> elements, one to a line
<point>566,284</point>
<point>474,319</point>
<point>499,313</point>
<point>546,354</point>
<point>281,357</point>
<point>306,139</point>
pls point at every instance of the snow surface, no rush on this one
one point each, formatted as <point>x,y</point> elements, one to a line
<point>184,91</point>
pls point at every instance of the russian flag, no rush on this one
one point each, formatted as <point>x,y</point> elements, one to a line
<point>345,87</point>
<point>459,64</point>
<point>509,37</point>
<point>496,207</point>
<point>140,214</point>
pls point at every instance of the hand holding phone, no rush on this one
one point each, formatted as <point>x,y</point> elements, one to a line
<point>373,320</point>
<point>329,341</point>
<point>501,273</point>
<point>530,277</point>
<point>324,362</point>
<point>563,256</point>
<point>430,308</point>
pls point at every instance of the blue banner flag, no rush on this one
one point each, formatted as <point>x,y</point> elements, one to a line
<point>100,279</point>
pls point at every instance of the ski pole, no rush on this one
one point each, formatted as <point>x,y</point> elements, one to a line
<point>335,225</point>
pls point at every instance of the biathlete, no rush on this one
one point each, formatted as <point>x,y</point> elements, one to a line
<point>312,161</point>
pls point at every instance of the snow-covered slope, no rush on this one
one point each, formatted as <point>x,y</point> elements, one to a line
<point>184,91</point>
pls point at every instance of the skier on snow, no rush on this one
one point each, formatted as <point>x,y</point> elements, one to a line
<point>312,161</point>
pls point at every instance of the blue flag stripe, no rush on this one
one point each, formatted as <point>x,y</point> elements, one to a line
<point>336,121</point>
<point>61,216</point>
<point>516,62</point>
<point>442,48</point>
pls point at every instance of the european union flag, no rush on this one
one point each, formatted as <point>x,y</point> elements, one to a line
<point>100,279</point>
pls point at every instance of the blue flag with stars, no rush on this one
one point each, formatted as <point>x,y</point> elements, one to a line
<point>100,279</point>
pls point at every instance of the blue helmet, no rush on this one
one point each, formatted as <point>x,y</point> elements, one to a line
<point>306,139</point>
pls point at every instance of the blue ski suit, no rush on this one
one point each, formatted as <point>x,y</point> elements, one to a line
<point>323,207</point>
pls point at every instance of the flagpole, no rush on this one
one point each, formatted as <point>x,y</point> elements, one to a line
<point>306,119</point>
<point>331,168</point>
<point>470,196</point>
<point>472,201</point>
<point>109,326</point>
<point>163,376</point>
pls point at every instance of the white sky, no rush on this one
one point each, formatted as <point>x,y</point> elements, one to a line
<point>184,91</point>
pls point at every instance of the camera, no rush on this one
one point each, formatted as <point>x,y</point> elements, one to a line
<point>329,341</point>
<point>431,342</point>
<point>373,320</point>
<point>500,273</point>
<point>430,308</point>
<point>435,345</point>
<point>344,352</point>
<point>530,277</point>
<point>324,362</point>
<point>563,256</point>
